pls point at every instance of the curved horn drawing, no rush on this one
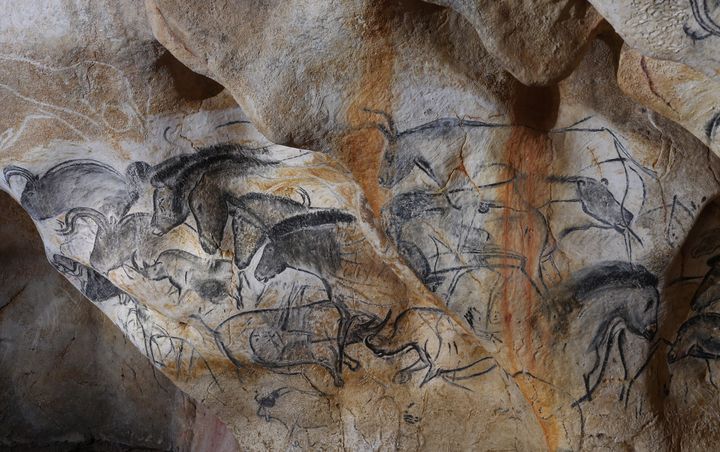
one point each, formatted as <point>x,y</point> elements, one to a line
<point>77,213</point>
<point>13,170</point>
<point>305,196</point>
<point>142,269</point>
<point>701,11</point>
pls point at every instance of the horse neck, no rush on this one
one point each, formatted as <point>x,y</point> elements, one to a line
<point>603,310</point>
<point>604,332</point>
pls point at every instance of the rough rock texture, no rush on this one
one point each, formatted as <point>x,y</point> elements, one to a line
<point>71,380</point>
<point>685,31</point>
<point>676,91</point>
<point>413,250</point>
<point>539,41</point>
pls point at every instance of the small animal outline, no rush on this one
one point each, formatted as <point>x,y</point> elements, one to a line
<point>598,202</point>
<point>210,278</point>
<point>440,347</point>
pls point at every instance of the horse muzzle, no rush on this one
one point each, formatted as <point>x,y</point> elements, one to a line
<point>650,331</point>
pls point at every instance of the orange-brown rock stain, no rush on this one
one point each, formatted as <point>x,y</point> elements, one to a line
<point>362,147</point>
<point>529,151</point>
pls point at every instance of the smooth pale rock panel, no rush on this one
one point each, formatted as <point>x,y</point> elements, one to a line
<point>686,32</point>
<point>61,83</point>
<point>674,90</point>
<point>539,41</point>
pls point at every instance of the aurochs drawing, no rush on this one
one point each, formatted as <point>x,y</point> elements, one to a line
<point>433,148</point>
<point>115,242</point>
<point>74,184</point>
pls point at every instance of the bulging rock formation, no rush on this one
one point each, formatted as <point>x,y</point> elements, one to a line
<point>384,225</point>
<point>538,42</point>
<point>674,90</point>
<point>682,31</point>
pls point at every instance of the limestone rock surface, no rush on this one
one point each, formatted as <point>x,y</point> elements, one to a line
<point>70,377</point>
<point>686,32</point>
<point>678,92</point>
<point>538,41</point>
<point>381,225</point>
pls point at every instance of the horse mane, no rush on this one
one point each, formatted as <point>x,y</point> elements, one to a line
<point>253,196</point>
<point>567,297</point>
<point>608,275</point>
<point>310,220</point>
<point>175,171</point>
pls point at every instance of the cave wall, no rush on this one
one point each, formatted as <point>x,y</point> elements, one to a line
<point>71,379</point>
<point>388,224</point>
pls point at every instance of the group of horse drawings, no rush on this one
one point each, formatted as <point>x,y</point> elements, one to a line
<point>214,185</point>
<point>622,296</point>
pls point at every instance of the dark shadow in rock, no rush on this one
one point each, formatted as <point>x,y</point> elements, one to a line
<point>188,84</point>
<point>70,380</point>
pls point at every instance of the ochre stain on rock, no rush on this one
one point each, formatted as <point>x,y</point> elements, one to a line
<point>529,151</point>
<point>362,148</point>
